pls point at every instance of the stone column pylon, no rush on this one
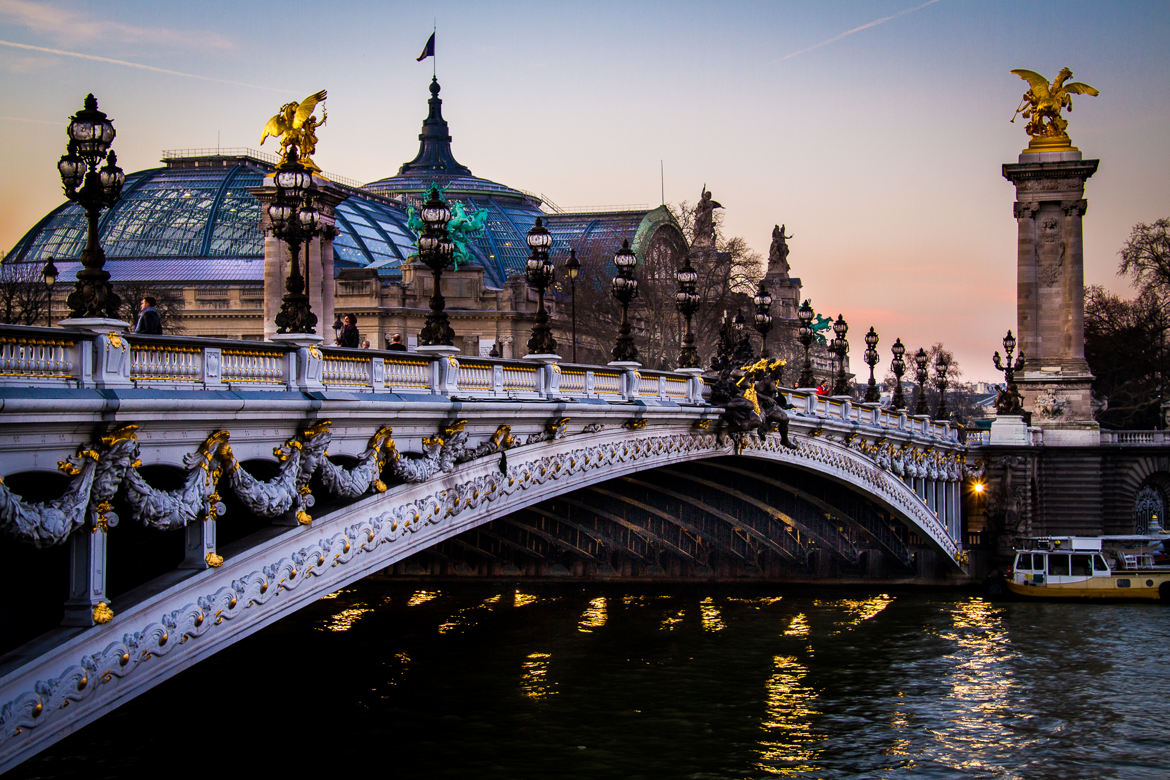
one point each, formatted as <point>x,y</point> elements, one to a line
<point>1050,293</point>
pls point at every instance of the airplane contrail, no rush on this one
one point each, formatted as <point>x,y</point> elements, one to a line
<point>138,65</point>
<point>847,33</point>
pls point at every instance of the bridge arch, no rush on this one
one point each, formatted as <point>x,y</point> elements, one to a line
<point>180,622</point>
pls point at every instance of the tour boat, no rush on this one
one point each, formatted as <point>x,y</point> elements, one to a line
<point>1092,567</point>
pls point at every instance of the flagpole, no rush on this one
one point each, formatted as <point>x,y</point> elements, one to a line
<point>435,56</point>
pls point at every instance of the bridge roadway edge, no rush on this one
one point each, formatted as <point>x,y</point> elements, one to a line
<point>140,635</point>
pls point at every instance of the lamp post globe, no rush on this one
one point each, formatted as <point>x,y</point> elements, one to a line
<point>1009,400</point>
<point>941,366</point>
<point>90,134</point>
<point>763,320</point>
<point>687,300</point>
<point>841,348</point>
<point>625,289</point>
<point>920,361</point>
<point>435,249</point>
<point>872,394</point>
<point>898,366</point>
<point>295,220</point>
<point>573,269</point>
<point>805,314</point>
<point>539,271</point>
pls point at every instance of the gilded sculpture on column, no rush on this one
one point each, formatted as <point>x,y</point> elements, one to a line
<point>1043,102</point>
<point>296,126</point>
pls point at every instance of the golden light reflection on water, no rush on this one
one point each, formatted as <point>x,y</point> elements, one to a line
<point>709,614</point>
<point>594,616</point>
<point>789,745</point>
<point>670,621</point>
<point>344,620</point>
<point>336,593</point>
<point>422,597</point>
<point>856,611</point>
<point>641,600</point>
<point>755,602</point>
<point>534,679</point>
<point>524,599</point>
<point>900,725</point>
<point>977,737</point>
<point>799,626</point>
<point>466,616</point>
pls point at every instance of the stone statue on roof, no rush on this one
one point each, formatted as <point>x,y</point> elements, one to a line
<point>705,220</point>
<point>778,252</point>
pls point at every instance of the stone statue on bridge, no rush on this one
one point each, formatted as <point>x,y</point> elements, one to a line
<point>778,252</point>
<point>704,236</point>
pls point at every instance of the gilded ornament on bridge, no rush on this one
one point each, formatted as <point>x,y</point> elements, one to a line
<point>102,613</point>
<point>1042,104</point>
<point>296,126</point>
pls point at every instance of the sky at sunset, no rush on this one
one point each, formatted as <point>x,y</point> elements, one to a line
<point>875,131</point>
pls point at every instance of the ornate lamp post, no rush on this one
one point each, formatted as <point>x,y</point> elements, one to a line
<point>1009,400</point>
<point>841,348</point>
<point>625,289</point>
<point>805,334</point>
<point>295,220</point>
<point>898,366</point>
<point>539,270</point>
<point>920,361</point>
<point>435,249</point>
<point>871,358</point>
<point>90,135</point>
<point>687,300</point>
<point>743,352</point>
<point>573,267</point>
<point>941,366</point>
<point>763,301</point>
<point>49,274</point>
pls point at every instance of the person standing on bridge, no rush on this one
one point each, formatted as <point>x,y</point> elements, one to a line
<point>349,336</point>
<point>149,321</point>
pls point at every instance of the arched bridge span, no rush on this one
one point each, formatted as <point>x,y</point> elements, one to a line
<point>344,495</point>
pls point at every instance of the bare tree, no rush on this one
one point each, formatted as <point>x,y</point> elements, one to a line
<point>24,296</point>
<point>1146,256</point>
<point>1125,345</point>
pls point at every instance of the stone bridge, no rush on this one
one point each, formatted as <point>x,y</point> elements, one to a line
<point>177,495</point>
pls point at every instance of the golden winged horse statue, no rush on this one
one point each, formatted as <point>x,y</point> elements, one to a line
<point>296,127</point>
<point>1043,103</point>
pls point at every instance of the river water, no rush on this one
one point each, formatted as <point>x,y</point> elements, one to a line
<point>569,681</point>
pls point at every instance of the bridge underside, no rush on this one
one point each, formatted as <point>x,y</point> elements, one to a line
<point>724,518</point>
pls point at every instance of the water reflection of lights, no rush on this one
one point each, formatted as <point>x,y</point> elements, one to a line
<point>336,593</point>
<point>344,620</point>
<point>981,735</point>
<point>709,614</point>
<point>789,745</point>
<point>755,603</point>
<point>534,680</point>
<point>466,616</point>
<point>856,611</point>
<point>523,599</point>
<point>422,597</point>
<point>900,725</point>
<point>799,626</point>
<point>594,616</point>
<point>670,621</point>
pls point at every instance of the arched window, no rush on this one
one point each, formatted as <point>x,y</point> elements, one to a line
<point>1149,509</point>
